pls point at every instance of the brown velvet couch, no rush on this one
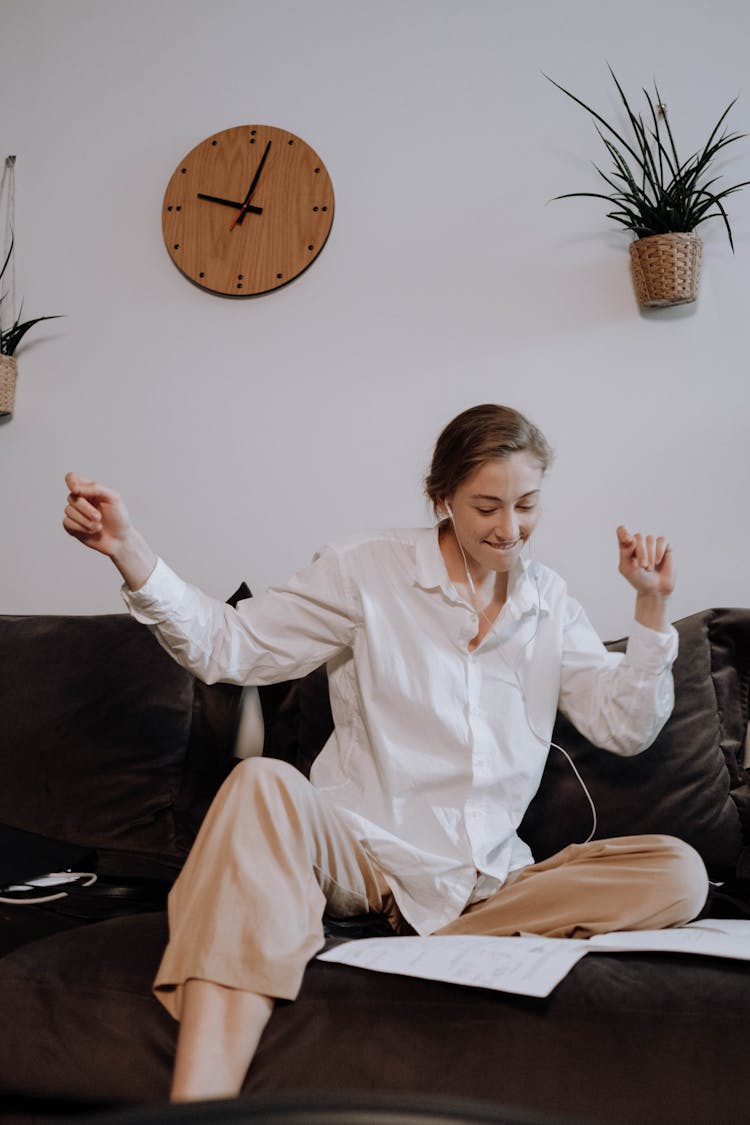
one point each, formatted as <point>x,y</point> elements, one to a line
<point>108,744</point>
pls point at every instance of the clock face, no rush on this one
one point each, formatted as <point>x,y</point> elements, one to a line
<point>247,210</point>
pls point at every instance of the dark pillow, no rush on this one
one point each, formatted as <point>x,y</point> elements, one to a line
<point>297,719</point>
<point>96,723</point>
<point>281,719</point>
<point>690,783</point>
<point>107,742</point>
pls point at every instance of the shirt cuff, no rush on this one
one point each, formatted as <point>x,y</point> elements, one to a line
<point>161,592</point>
<point>651,650</point>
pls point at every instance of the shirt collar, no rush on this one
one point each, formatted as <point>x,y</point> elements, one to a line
<point>430,573</point>
<point>524,593</point>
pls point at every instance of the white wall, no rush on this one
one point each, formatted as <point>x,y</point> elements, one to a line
<point>245,433</point>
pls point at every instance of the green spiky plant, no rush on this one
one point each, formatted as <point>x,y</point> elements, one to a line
<point>653,191</point>
<point>11,337</point>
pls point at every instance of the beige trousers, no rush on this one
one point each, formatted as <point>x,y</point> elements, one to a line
<point>272,855</point>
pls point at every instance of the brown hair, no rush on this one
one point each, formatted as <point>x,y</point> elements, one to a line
<point>481,434</point>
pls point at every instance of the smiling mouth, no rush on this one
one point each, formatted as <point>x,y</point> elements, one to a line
<point>503,546</point>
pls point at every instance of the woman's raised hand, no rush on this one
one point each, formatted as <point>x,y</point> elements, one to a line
<point>95,515</point>
<point>648,564</point>
<point>98,518</point>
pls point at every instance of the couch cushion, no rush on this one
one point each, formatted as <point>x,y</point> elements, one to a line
<point>86,1025</point>
<point>638,1038</point>
<point>656,1038</point>
<point>107,742</point>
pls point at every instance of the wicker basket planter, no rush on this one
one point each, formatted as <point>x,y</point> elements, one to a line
<point>7,383</point>
<point>665,268</point>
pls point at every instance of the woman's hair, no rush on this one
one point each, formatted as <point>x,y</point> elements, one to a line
<point>481,434</point>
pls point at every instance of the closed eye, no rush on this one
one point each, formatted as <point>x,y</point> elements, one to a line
<point>519,508</point>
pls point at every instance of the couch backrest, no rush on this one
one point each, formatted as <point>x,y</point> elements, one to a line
<point>106,742</point>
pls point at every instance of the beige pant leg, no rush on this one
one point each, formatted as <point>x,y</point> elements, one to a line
<point>624,883</point>
<point>246,911</point>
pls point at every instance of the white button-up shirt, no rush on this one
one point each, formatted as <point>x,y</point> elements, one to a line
<point>437,749</point>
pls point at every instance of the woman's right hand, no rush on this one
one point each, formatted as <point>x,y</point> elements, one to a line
<point>97,517</point>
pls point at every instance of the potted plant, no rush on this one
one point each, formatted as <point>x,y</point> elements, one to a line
<point>659,197</point>
<point>10,338</point>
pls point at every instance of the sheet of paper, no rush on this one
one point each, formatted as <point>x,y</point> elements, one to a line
<point>530,966</point>
<point>713,937</point>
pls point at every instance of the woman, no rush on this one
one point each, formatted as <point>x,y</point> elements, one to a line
<point>448,656</point>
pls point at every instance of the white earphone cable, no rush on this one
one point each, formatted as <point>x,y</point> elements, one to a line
<point>536,734</point>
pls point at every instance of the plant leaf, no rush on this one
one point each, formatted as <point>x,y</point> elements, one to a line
<point>5,263</point>
<point>10,340</point>
<point>593,114</point>
<point>640,132</point>
<point>653,191</point>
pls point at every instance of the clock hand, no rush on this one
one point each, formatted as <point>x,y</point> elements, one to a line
<point>230,203</point>
<point>240,215</point>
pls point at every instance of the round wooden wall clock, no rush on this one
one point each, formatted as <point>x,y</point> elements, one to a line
<point>247,210</point>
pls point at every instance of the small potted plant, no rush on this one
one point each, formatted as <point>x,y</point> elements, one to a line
<point>659,197</point>
<point>10,338</point>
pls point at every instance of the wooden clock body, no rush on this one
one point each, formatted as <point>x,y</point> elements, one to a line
<point>268,216</point>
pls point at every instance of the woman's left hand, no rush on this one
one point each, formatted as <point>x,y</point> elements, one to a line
<point>647,563</point>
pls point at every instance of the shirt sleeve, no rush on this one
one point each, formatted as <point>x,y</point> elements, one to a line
<point>619,701</point>
<point>284,633</point>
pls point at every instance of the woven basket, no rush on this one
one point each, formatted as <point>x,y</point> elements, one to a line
<point>7,383</point>
<point>665,268</point>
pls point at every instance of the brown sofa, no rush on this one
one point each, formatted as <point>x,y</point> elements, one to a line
<point>108,744</point>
